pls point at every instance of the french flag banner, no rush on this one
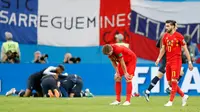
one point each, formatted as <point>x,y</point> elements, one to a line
<point>63,22</point>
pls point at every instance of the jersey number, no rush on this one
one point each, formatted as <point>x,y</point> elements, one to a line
<point>173,73</point>
<point>169,48</point>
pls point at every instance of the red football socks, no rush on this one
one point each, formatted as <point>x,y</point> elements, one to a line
<point>118,89</point>
<point>180,92</point>
<point>128,91</point>
<point>174,90</point>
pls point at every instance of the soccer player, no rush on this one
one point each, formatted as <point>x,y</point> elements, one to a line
<point>72,85</point>
<point>50,85</point>
<point>124,63</point>
<point>161,72</point>
<point>173,42</point>
<point>34,81</point>
<point>119,41</point>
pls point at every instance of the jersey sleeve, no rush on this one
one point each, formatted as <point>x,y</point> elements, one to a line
<point>48,71</point>
<point>118,52</point>
<point>182,40</point>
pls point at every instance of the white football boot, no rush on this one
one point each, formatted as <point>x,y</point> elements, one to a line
<point>126,103</point>
<point>115,103</point>
<point>184,100</point>
<point>168,104</point>
<point>10,92</point>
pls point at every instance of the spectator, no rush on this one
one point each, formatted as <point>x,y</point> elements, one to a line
<point>67,58</point>
<point>39,58</point>
<point>10,52</point>
<point>71,60</point>
<point>119,40</point>
<point>192,47</point>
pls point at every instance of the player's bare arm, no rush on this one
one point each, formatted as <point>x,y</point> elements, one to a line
<point>114,64</point>
<point>162,52</point>
<point>123,65</point>
<point>188,57</point>
<point>161,42</point>
<point>121,60</point>
<point>117,76</point>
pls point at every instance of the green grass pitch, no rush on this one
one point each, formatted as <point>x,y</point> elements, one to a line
<point>97,104</point>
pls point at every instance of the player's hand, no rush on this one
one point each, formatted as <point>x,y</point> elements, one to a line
<point>126,75</point>
<point>117,76</point>
<point>157,62</point>
<point>190,66</point>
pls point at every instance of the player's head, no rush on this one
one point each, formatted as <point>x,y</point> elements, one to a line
<point>170,25</point>
<point>107,49</point>
<point>60,69</point>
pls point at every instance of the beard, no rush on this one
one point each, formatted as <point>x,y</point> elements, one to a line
<point>169,31</point>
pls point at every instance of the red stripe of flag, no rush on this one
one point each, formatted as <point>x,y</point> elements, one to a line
<point>144,47</point>
<point>116,10</point>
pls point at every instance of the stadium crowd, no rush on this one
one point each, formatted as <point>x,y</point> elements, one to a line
<point>10,53</point>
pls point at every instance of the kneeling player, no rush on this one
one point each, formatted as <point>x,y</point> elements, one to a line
<point>34,81</point>
<point>50,86</point>
<point>72,85</point>
<point>124,62</point>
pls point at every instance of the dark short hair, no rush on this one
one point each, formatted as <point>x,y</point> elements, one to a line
<point>61,67</point>
<point>172,22</point>
<point>106,49</point>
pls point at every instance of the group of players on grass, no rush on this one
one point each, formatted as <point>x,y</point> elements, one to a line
<point>124,62</point>
<point>50,82</point>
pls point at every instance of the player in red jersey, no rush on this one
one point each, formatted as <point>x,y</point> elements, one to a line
<point>173,42</point>
<point>124,62</point>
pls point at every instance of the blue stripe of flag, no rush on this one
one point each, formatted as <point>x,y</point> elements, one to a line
<point>11,12</point>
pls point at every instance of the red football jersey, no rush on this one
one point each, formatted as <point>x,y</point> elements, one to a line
<point>122,52</point>
<point>173,45</point>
